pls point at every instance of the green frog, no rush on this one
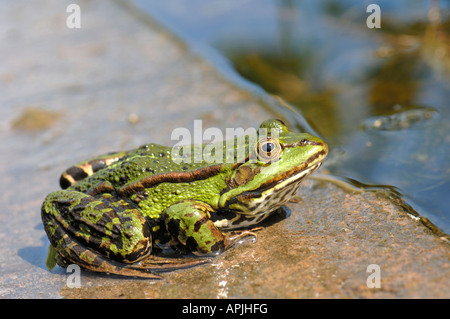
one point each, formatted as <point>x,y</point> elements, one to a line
<point>115,212</point>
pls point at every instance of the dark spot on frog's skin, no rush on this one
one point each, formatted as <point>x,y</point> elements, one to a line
<point>162,154</point>
<point>101,188</point>
<point>243,175</point>
<point>129,190</point>
<point>222,214</point>
<point>77,173</point>
<point>185,167</point>
<point>137,199</point>
<point>146,230</point>
<point>64,182</point>
<point>191,244</point>
<point>123,179</point>
<point>173,227</point>
<point>219,246</point>
<point>199,223</point>
<point>148,169</point>
<point>97,165</point>
<point>140,197</point>
<point>242,219</point>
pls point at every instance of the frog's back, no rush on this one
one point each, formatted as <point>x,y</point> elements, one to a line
<point>135,165</point>
<point>117,168</point>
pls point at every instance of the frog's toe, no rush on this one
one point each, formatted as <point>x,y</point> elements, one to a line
<point>162,264</point>
<point>235,236</point>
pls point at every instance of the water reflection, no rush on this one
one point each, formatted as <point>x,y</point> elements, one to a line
<point>378,96</point>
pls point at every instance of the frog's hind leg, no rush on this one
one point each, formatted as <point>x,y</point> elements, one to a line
<point>71,252</point>
<point>146,268</point>
<point>80,171</point>
<point>98,233</point>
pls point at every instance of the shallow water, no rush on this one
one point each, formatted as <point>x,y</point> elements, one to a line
<point>379,96</point>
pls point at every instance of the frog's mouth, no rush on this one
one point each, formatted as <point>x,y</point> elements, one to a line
<point>252,207</point>
<point>273,195</point>
<point>295,175</point>
<point>290,179</point>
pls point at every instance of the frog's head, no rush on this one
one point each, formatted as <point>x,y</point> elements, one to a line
<point>283,159</point>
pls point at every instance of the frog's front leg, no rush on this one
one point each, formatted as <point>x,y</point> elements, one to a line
<point>98,233</point>
<point>189,222</point>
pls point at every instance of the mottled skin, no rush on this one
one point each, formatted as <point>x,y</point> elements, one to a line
<point>118,208</point>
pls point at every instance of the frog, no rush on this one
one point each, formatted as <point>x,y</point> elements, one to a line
<point>118,212</point>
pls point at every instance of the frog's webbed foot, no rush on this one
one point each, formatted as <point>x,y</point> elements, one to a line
<point>237,235</point>
<point>158,264</point>
<point>149,267</point>
<point>100,264</point>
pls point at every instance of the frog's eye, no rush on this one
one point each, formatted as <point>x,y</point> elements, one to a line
<point>268,150</point>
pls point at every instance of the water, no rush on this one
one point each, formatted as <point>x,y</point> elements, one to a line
<point>379,97</point>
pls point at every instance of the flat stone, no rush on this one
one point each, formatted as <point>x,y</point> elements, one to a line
<point>322,250</point>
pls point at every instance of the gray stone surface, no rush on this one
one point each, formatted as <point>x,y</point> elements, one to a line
<point>116,83</point>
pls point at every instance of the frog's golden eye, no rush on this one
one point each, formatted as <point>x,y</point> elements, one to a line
<point>268,150</point>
